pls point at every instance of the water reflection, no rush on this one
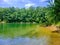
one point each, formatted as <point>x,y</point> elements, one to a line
<point>24,41</point>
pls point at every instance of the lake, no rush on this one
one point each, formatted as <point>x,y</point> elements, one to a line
<point>13,30</point>
<point>23,34</point>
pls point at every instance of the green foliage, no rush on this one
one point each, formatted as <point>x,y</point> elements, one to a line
<point>57,10</point>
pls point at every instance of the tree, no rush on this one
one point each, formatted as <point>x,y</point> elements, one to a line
<point>57,10</point>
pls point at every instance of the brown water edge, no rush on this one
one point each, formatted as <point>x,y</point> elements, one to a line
<point>55,35</point>
<point>54,39</point>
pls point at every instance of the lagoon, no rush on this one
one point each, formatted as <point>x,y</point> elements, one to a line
<point>24,34</point>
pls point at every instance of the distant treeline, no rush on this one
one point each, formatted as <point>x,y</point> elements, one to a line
<point>41,15</point>
<point>32,14</point>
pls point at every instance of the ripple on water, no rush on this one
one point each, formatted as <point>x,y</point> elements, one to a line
<point>24,41</point>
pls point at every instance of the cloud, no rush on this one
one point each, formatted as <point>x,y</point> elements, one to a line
<point>10,1</point>
<point>29,5</point>
<point>6,0</point>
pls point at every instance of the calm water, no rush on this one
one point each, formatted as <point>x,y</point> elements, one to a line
<point>20,34</point>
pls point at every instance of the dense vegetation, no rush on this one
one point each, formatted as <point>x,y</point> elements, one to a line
<point>43,15</point>
<point>37,15</point>
<point>57,10</point>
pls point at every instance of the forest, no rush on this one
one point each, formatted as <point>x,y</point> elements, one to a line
<point>42,15</point>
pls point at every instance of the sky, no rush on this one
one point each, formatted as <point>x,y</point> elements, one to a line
<point>22,3</point>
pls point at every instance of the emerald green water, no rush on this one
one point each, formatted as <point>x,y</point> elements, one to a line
<point>13,30</point>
